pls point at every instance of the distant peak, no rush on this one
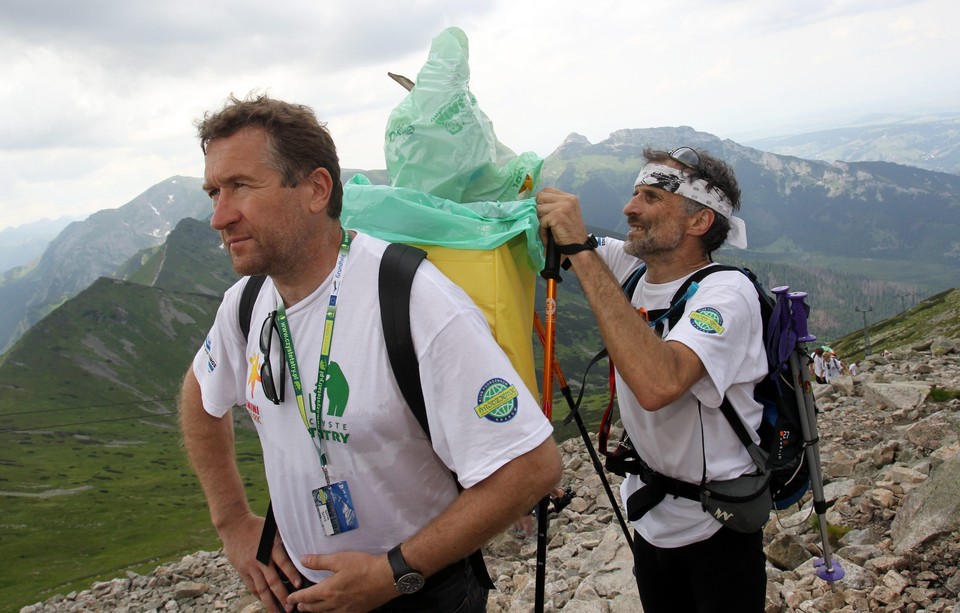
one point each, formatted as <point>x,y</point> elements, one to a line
<point>575,139</point>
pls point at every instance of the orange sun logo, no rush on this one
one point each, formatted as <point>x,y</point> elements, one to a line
<point>254,377</point>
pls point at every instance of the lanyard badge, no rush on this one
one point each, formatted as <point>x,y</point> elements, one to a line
<point>333,501</point>
<point>335,507</point>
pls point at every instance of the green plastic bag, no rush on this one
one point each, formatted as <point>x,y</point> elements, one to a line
<point>439,141</point>
<point>403,215</point>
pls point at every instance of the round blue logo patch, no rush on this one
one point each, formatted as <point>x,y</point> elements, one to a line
<point>497,401</point>
<point>708,320</point>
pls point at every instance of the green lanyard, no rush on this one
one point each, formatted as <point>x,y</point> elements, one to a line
<point>314,422</point>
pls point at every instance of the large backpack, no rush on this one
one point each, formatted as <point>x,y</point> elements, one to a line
<point>397,269</point>
<point>781,449</point>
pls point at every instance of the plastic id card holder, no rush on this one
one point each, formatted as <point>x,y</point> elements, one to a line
<point>335,507</point>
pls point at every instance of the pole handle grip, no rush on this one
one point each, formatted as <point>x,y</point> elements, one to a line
<point>551,269</point>
<point>798,312</point>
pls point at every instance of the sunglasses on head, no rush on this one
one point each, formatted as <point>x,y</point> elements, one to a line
<point>687,156</point>
<point>266,371</point>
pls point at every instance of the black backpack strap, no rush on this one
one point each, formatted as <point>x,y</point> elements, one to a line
<point>676,303</point>
<point>630,285</point>
<point>267,535</point>
<point>756,453</point>
<point>397,269</point>
<point>247,299</point>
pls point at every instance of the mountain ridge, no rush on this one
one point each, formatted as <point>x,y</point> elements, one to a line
<point>821,214</point>
<point>931,142</point>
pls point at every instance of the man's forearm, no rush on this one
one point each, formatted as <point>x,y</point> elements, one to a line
<point>485,510</point>
<point>209,443</point>
<point>657,372</point>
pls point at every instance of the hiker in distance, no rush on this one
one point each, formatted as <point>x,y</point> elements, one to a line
<point>366,506</point>
<point>670,381</point>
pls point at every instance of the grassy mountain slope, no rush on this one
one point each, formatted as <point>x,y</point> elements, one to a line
<point>94,247</point>
<point>94,480</point>
<point>936,316</point>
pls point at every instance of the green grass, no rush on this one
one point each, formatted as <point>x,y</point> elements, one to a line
<point>939,394</point>
<point>140,505</point>
<point>939,315</point>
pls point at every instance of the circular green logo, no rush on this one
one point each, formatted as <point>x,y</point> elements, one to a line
<point>497,401</point>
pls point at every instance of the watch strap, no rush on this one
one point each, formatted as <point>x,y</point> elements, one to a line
<point>588,245</point>
<point>406,579</point>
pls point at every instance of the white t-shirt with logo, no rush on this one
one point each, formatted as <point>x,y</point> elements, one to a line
<point>481,415</point>
<point>832,368</point>
<point>721,323</point>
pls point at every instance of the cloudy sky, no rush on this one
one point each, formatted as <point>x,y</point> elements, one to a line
<point>98,97</point>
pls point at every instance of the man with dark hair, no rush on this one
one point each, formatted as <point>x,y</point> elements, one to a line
<point>368,512</point>
<point>672,379</point>
<point>819,371</point>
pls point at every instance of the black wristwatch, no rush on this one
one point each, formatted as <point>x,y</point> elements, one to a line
<point>590,244</point>
<point>405,579</point>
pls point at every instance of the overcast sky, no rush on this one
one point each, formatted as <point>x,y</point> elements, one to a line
<point>98,97</point>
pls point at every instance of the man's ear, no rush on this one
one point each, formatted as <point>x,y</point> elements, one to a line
<point>321,186</point>
<point>701,221</point>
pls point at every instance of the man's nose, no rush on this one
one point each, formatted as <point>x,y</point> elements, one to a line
<point>224,213</point>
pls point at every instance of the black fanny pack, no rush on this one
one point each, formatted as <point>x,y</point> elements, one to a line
<point>742,504</point>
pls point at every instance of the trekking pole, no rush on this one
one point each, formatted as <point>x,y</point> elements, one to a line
<point>550,272</point>
<point>827,569</point>
<point>597,465</point>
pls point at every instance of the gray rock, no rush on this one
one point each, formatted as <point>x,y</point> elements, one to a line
<point>929,510</point>
<point>900,395</point>
<point>786,551</point>
<point>942,346</point>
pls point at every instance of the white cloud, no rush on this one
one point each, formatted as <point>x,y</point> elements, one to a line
<point>100,97</point>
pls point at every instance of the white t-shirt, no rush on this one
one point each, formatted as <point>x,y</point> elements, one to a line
<point>371,439</point>
<point>818,365</point>
<point>721,323</point>
<point>832,368</point>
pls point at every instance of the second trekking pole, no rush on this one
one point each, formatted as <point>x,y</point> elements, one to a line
<point>575,414</point>
<point>550,272</point>
<point>827,568</point>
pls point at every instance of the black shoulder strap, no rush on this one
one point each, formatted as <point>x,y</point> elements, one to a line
<point>397,269</point>
<point>725,407</point>
<point>247,299</point>
<point>756,453</point>
<point>696,277</point>
<point>630,285</point>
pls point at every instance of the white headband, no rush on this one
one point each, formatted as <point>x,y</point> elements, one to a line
<point>677,182</point>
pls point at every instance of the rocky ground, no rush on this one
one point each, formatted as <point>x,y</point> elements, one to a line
<point>891,463</point>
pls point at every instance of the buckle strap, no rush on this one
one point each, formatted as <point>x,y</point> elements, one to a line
<point>656,488</point>
<point>643,500</point>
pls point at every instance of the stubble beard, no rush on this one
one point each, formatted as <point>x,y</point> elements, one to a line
<point>658,239</point>
<point>277,251</point>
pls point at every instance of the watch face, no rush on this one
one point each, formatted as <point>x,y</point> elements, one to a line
<point>410,583</point>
